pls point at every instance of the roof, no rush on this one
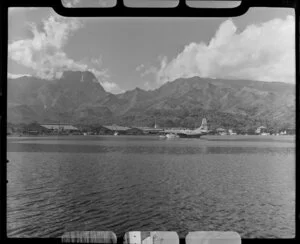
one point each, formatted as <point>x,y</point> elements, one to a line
<point>261,127</point>
<point>148,128</point>
<point>59,127</point>
<point>220,129</point>
<point>135,128</point>
<point>116,127</point>
<point>34,127</point>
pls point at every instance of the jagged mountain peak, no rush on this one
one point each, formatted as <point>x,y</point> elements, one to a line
<point>183,101</point>
<point>81,81</point>
<point>79,76</point>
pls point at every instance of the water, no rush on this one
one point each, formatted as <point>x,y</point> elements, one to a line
<point>242,183</point>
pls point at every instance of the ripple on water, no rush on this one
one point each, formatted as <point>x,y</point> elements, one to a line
<point>125,184</point>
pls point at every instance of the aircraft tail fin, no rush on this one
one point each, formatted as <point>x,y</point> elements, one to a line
<point>203,127</point>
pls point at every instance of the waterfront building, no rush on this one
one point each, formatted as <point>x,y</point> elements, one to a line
<point>117,128</point>
<point>150,130</point>
<point>283,132</point>
<point>134,131</point>
<point>260,129</point>
<point>35,129</point>
<point>60,127</point>
<point>221,131</point>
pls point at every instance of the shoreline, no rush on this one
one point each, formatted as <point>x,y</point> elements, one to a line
<point>152,135</point>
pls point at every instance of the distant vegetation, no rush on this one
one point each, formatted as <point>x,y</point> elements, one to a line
<point>231,104</point>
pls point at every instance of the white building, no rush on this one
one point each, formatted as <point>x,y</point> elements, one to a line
<point>260,129</point>
<point>231,132</point>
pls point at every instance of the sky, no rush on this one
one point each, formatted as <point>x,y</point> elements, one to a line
<point>125,53</point>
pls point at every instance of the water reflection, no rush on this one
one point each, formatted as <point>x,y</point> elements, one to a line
<point>150,145</point>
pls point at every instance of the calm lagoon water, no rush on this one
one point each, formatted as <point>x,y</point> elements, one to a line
<point>123,183</point>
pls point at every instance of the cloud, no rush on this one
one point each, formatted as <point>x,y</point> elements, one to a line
<point>112,87</point>
<point>44,54</point>
<point>97,61</point>
<point>148,85</point>
<point>21,9</point>
<point>15,76</point>
<point>140,67</point>
<point>143,71</point>
<point>94,65</point>
<point>260,52</point>
<point>148,71</point>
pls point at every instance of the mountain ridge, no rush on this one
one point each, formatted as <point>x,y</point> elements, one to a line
<point>77,97</point>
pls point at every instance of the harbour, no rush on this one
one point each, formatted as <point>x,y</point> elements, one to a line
<point>122,183</point>
<point>147,130</point>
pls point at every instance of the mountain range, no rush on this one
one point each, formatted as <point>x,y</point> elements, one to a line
<point>78,98</point>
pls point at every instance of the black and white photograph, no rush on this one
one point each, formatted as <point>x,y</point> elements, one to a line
<point>152,129</point>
